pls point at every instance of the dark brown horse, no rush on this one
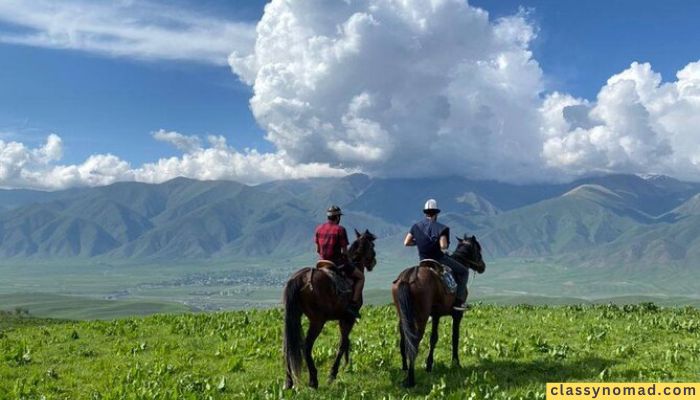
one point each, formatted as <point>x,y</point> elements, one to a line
<point>419,293</point>
<point>312,292</point>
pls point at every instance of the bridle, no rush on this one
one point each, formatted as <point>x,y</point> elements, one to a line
<point>464,260</point>
<point>361,258</point>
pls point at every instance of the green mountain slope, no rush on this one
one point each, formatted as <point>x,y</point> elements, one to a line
<point>620,219</point>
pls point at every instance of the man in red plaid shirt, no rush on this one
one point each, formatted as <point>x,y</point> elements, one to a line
<point>332,245</point>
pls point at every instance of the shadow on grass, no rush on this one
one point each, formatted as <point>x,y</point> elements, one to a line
<point>508,374</point>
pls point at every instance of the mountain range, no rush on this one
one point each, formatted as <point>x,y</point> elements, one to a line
<point>614,220</point>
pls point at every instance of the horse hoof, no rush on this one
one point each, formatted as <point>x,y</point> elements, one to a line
<point>408,384</point>
<point>313,385</point>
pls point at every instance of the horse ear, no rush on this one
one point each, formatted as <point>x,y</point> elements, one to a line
<point>473,237</point>
<point>357,233</point>
<point>459,239</point>
<point>465,237</point>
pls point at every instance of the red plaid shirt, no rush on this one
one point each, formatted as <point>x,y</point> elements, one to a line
<point>330,238</point>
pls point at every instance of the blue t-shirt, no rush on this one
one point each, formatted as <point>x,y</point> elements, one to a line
<point>427,235</point>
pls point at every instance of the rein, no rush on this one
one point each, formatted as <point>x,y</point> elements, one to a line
<point>464,260</point>
<point>354,255</point>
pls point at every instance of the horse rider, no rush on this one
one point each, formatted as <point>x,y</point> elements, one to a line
<point>433,239</point>
<point>332,245</point>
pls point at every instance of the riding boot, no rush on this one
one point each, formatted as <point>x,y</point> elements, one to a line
<point>359,282</point>
<point>461,296</point>
<point>354,309</point>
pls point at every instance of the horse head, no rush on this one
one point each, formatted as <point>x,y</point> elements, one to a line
<point>361,251</point>
<point>469,250</point>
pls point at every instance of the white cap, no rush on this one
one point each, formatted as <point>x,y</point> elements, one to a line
<point>431,205</point>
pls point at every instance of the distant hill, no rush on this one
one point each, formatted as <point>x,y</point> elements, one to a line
<point>619,220</point>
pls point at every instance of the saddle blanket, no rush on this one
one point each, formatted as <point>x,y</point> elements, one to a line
<point>448,279</point>
<point>342,284</point>
<point>443,271</point>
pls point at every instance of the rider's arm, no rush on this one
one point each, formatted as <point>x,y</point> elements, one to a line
<point>409,240</point>
<point>444,243</point>
<point>343,240</point>
<point>445,239</point>
<point>318,247</point>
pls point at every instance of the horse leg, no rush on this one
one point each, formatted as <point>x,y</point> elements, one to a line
<point>433,342</point>
<point>456,321</point>
<point>402,346</point>
<point>420,330</point>
<point>315,328</point>
<point>347,348</point>
<point>344,347</point>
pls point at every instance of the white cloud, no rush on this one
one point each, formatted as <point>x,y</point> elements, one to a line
<point>391,88</point>
<point>39,168</point>
<point>180,141</point>
<point>220,161</point>
<point>397,88</point>
<point>638,124</point>
<point>135,29</point>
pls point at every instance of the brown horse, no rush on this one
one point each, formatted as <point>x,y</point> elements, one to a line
<point>419,293</point>
<point>312,292</point>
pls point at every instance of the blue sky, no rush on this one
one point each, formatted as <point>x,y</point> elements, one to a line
<point>105,104</point>
<point>582,43</point>
<point>101,103</point>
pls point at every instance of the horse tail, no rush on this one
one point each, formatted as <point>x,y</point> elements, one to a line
<point>408,320</point>
<point>293,342</point>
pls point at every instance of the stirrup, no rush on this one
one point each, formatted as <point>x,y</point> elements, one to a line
<point>463,306</point>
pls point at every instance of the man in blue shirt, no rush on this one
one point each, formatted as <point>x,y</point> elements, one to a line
<point>433,239</point>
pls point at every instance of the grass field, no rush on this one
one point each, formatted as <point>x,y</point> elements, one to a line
<point>77,307</point>
<point>507,352</point>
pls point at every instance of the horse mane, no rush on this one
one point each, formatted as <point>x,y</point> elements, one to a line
<point>461,253</point>
<point>359,245</point>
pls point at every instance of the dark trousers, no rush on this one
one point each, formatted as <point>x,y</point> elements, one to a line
<point>461,274</point>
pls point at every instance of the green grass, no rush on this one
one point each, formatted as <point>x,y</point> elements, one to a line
<point>507,352</point>
<point>76,307</point>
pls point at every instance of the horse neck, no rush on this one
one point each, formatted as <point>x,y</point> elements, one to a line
<point>352,253</point>
<point>461,258</point>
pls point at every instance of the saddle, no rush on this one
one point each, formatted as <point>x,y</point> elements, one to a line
<point>442,271</point>
<point>343,284</point>
<point>433,264</point>
<point>326,264</point>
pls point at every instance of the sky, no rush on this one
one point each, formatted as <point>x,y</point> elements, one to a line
<point>517,91</point>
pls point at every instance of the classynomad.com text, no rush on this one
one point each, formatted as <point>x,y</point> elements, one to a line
<point>622,391</point>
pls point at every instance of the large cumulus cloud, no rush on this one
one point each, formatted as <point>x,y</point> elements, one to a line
<point>431,87</point>
<point>397,87</point>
